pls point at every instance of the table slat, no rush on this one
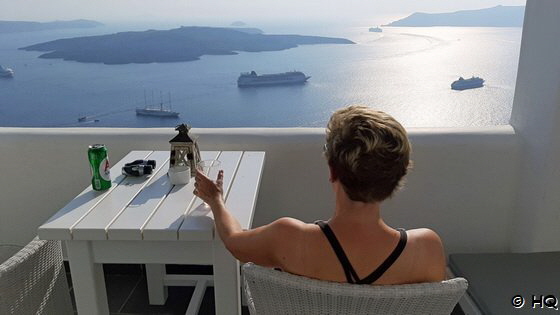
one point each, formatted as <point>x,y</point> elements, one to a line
<point>199,223</point>
<point>129,223</point>
<point>242,197</point>
<point>58,226</point>
<point>93,226</point>
<point>165,222</point>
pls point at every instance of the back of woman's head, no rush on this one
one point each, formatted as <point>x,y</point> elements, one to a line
<point>368,151</point>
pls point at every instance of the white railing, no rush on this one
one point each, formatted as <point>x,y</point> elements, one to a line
<point>462,185</point>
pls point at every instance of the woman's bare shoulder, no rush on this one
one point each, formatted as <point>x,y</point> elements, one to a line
<point>429,250</point>
<point>290,229</point>
<point>426,236</point>
<point>291,237</point>
<point>287,223</point>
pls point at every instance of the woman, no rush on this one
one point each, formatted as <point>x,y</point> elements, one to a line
<point>368,156</point>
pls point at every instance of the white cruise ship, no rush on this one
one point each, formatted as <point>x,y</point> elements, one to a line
<point>376,29</point>
<point>6,72</point>
<point>252,79</point>
<point>463,84</point>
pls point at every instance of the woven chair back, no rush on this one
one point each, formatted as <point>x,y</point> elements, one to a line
<point>271,291</point>
<point>33,281</point>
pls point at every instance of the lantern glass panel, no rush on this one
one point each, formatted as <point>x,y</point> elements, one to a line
<point>179,155</point>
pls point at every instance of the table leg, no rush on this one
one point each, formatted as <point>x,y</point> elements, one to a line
<point>157,291</point>
<point>226,280</point>
<point>88,280</point>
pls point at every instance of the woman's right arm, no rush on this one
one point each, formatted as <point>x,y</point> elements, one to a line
<point>267,245</point>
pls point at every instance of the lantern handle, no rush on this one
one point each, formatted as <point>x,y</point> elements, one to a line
<point>183,128</point>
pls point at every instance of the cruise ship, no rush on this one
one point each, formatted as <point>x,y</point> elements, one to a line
<point>463,84</point>
<point>376,29</point>
<point>252,79</point>
<point>6,72</point>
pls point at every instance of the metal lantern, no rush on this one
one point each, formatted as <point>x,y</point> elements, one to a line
<point>184,151</point>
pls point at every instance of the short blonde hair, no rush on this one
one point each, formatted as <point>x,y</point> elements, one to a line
<point>368,151</point>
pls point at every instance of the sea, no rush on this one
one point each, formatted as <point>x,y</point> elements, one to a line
<point>404,71</point>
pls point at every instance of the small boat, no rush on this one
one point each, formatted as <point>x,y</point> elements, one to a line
<point>375,29</point>
<point>6,72</point>
<point>464,84</point>
<point>253,79</point>
<point>88,119</point>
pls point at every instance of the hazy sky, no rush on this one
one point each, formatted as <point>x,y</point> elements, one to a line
<point>379,11</point>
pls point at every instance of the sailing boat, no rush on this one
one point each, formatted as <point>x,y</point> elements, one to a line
<point>160,111</point>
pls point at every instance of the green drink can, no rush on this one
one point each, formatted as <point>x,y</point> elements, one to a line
<point>100,168</point>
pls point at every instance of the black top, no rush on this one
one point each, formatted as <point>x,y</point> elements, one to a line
<point>351,275</point>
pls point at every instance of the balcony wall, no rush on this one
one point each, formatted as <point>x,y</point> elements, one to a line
<point>463,182</point>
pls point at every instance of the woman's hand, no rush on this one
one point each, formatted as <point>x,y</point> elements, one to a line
<point>211,192</point>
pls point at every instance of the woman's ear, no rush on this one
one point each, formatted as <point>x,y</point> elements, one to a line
<point>332,173</point>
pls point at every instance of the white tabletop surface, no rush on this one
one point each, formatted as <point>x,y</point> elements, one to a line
<point>151,208</point>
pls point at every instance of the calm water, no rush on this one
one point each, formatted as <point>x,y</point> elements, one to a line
<point>406,72</point>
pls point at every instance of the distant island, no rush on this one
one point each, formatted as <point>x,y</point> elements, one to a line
<point>180,44</point>
<point>499,16</point>
<point>249,30</point>
<point>24,26</point>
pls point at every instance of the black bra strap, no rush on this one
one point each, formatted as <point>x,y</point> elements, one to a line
<point>348,270</point>
<point>377,273</point>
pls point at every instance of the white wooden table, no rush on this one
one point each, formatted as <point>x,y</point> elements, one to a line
<point>147,220</point>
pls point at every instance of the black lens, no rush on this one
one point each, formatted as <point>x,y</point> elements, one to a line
<point>148,169</point>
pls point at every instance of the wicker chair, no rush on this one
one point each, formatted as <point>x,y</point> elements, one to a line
<point>33,281</point>
<point>270,291</point>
